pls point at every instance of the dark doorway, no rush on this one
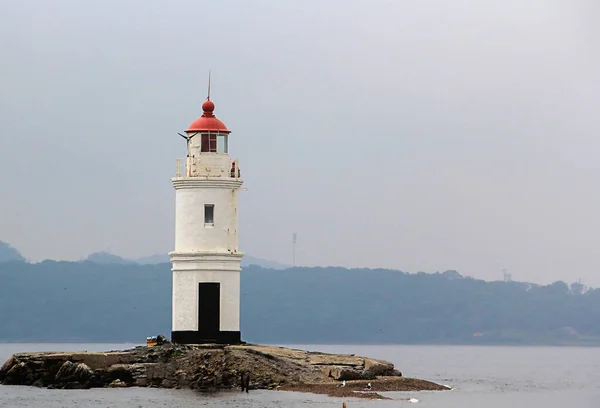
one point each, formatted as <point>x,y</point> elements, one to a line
<point>209,310</point>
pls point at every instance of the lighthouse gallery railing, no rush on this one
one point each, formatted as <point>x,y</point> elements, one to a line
<point>200,167</point>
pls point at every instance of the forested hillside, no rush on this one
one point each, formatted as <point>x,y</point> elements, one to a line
<point>8,253</point>
<point>89,302</point>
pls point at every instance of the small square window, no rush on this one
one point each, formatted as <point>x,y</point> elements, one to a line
<point>209,215</point>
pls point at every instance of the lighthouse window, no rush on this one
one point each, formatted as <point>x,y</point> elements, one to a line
<point>209,215</point>
<point>213,143</point>
<point>222,144</point>
<point>208,143</point>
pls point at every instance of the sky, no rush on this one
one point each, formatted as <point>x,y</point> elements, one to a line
<point>415,135</point>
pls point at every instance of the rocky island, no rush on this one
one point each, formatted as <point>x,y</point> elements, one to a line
<point>211,367</point>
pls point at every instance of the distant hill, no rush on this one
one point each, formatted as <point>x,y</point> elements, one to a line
<point>153,259</point>
<point>9,254</point>
<point>248,260</point>
<point>107,258</point>
<point>111,302</point>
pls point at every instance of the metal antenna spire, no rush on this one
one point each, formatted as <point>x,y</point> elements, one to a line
<point>208,97</point>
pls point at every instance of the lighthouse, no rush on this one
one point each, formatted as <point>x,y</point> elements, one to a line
<point>206,259</point>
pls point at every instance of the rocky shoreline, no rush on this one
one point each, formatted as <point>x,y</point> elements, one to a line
<point>211,367</point>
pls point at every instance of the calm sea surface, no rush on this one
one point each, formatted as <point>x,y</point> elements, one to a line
<point>489,377</point>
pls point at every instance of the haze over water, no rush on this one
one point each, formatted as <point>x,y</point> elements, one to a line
<point>490,377</point>
<point>414,135</point>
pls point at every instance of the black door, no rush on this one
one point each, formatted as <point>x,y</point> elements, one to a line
<point>209,309</point>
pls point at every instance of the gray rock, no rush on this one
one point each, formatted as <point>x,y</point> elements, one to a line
<point>8,364</point>
<point>65,371</point>
<point>38,383</point>
<point>18,374</point>
<point>117,384</point>
<point>75,385</point>
<point>348,375</point>
<point>83,372</point>
<point>375,369</point>
<point>203,367</point>
<point>73,376</point>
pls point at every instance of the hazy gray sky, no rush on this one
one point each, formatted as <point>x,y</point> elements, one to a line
<point>416,135</point>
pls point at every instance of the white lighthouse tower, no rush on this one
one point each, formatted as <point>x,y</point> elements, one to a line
<point>206,260</point>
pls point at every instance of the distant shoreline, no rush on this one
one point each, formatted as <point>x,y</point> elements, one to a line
<point>81,302</point>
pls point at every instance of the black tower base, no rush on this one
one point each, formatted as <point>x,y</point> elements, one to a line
<point>196,337</point>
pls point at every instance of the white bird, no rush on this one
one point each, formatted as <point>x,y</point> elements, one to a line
<point>344,383</point>
<point>369,386</point>
<point>413,400</point>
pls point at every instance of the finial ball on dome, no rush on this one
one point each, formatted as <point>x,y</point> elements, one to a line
<point>208,106</point>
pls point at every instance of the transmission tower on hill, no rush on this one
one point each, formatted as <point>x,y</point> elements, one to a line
<point>294,238</point>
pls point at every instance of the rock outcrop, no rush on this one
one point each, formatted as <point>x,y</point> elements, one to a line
<point>205,367</point>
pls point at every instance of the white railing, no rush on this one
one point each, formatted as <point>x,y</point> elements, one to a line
<point>178,168</point>
<point>203,167</point>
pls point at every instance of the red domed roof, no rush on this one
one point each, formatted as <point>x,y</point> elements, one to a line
<point>208,121</point>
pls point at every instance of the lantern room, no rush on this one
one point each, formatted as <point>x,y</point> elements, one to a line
<point>207,132</point>
<point>208,148</point>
